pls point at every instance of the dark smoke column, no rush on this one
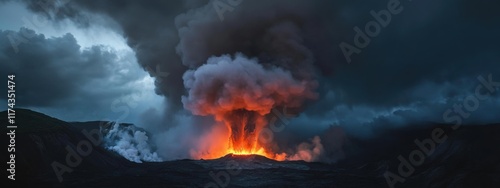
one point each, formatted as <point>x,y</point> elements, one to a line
<point>239,92</point>
<point>244,66</point>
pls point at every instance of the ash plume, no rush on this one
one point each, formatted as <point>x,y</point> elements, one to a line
<point>181,35</point>
<point>240,92</point>
<point>241,67</point>
<point>225,84</point>
<point>246,65</point>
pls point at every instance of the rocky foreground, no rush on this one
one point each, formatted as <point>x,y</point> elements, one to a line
<point>53,153</point>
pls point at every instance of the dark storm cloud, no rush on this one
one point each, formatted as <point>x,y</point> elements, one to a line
<point>57,72</point>
<point>150,31</point>
<point>430,52</point>
<point>181,35</point>
<point>424,62</point>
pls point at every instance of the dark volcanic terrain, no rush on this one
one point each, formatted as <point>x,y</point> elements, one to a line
<point>469,158</point>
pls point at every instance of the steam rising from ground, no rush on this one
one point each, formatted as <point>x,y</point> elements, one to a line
<point>130,143</point>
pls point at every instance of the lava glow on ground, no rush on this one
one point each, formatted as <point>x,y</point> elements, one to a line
<point>261,152</point>
<point>214,154</point>
<point>278,157</point>
<point>241,136</point>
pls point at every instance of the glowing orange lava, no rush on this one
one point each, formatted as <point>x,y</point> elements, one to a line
<point>261,151</point>
<point>241,137</point>
<point>239,93</point>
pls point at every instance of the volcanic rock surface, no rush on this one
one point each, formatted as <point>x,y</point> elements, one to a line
<point>469,158</point>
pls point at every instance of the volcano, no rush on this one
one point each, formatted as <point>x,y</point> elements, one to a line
<point>245,128</point>
<point>239,92</point>
<point>464,159</point>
